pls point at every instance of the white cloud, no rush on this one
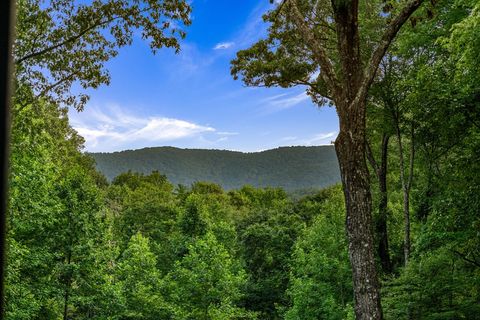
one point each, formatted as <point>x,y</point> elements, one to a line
<point>289,138</point>
<point>315,140</point>
<point>274,98</point>
<point>223,45</point>
<point>321,138</point>
<point>113,129</point>
<point>227,133</point>
<point>254,28</point>
<point>161,129</point>
<point>283,101</point>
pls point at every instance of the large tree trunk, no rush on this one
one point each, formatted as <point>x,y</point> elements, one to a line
<point>350,147</point>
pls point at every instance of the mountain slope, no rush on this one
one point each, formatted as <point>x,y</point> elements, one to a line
<point>292,168</point>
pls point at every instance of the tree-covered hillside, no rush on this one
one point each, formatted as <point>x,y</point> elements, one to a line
<point>291,168</point>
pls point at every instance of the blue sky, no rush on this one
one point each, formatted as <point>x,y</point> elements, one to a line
<point>189,100</point>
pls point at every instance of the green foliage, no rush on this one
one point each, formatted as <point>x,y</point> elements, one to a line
<point>465,46</point>
<point>437,285</point>
<point>206,283</point>
<point>266,237</point>
<point>320,279</point>
<point>146,206</point>
<point>54,215</point>
<point>206,188</point>
<point>442,280</point>
<point>140,281</point>
<point>193,221</point>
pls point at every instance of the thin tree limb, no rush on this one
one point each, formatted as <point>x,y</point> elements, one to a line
<point>412,157</point>
<point>58,45</point>
<point>371,158</point>
<point>383,46</point>
<point>56,84</point>
<point>74,38</point>
<point>464,257</point>
<point>327,70</point>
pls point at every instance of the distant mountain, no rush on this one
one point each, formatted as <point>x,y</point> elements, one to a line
<point>292,168</point>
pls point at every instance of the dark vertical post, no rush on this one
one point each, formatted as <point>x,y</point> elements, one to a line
<point>7,23</point>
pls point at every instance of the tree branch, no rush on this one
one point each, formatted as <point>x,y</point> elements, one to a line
<point>58,45</point>
<point>371,158</point>
<point>412,156</point>
<point>327,71</point>
<point>382,47</point>
<point>74,38</point>
<point>97,24</point>
<point>464,257</point>
<point>279,8</point>
<point>56,84</point>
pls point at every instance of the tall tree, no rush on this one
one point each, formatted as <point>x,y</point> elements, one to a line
<point>379,133</point>
<point>53,219</point>
<point>326,47</point>
<point>389,115</point>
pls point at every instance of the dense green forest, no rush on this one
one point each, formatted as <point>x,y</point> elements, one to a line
<point>292,168</point>
<point>139,247</point>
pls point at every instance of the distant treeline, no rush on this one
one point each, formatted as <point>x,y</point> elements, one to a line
<point>291,168</point>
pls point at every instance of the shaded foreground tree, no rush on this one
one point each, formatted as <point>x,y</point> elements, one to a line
<point>334,49</point>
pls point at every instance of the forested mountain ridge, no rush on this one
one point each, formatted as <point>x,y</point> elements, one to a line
<point>291,168</point>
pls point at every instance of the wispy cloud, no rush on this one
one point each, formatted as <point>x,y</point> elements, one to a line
<point>274,98</point>
<point>227,133</point>
<point>254,28</point>
<point>223,45</point>
<point>189,62</point>
<point>282,102</point>
<point>193,61</point>
<point>317,139</point>
<point>321,138</point>
<point>114,129</point>
<point>289,138</point>
<point>288,102</point>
